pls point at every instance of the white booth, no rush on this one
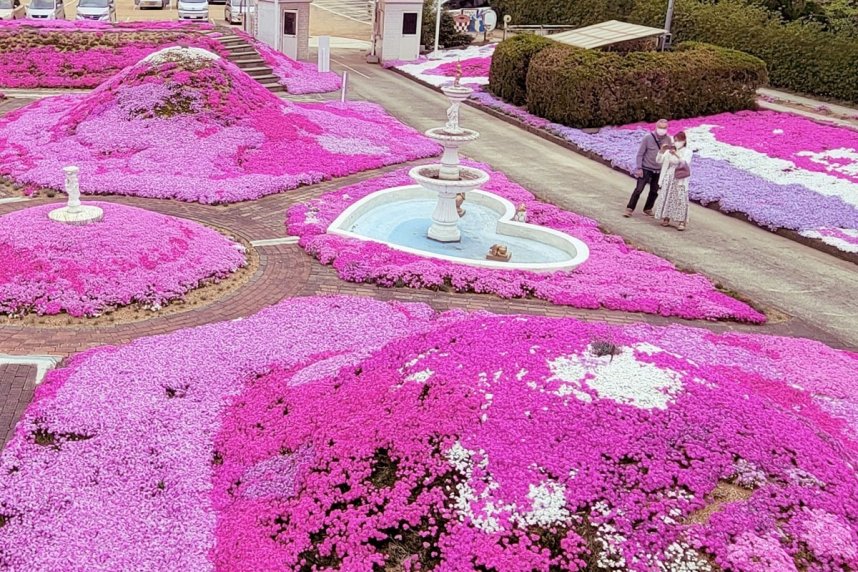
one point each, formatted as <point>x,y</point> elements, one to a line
<point>285,26</point>
<point>397,29</point>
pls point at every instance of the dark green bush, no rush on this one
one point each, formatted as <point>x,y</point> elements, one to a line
<point>448,37</point>
<point>587,88</point>
<point>508,73</point>
<point>565,12</point>
<point>801,56</point>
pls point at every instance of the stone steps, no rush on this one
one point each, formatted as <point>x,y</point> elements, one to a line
<point>247,59</point>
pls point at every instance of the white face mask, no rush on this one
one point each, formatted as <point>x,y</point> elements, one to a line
<point>661,132</point>
<point>680,144</point>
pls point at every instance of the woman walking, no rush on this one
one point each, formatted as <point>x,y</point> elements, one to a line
<point>672,202</point>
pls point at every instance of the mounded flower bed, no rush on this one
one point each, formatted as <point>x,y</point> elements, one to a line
<point>63,54</point>
<point>189,125</point>
<point>132,256</point>
<point>615,276</point>
<point>351,434</point>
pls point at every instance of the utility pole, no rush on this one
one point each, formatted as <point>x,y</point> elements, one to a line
<point>435,55</point>
<point>668,22</point>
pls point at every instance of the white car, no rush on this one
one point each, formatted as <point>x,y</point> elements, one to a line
<point>152,4</point>
<point>98,10</point>
<point>46,9</point>
<point>12,10</point>
<point>235,11</point>
<point>193,10</point>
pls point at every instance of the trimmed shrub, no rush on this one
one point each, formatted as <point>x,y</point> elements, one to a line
<point>587,88</point>
<point>564,12</point>
<point>801,56</point>
<point>508,73</point>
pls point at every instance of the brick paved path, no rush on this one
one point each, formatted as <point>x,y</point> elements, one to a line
<point>284,271</point>
<point>16,390</point>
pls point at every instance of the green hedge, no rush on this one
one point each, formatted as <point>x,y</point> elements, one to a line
<point>801,56</point>
<point>587,88</point>
<point>508,72</point>
<point>565,12</point>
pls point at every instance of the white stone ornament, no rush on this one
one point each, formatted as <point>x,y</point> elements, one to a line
<point>74,212</point>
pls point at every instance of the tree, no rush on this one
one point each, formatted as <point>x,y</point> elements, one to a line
<point>448,37</point>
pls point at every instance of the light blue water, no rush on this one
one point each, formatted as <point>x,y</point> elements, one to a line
<point>406,224</point>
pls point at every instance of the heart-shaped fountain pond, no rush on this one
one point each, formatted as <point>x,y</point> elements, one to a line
<point>399,217</point>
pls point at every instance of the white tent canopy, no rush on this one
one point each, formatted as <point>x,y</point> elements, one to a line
<point>606,34</point>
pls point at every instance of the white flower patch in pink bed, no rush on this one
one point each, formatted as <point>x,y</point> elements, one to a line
<point>357,435</point>
<point>132,256</point>
<point>615,276</point>
<point>474,61</point>
<point>191,126</point>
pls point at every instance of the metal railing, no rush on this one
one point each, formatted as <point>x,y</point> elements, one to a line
<point>539,29</point>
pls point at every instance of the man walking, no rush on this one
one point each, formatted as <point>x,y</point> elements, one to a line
<point>648,169</point>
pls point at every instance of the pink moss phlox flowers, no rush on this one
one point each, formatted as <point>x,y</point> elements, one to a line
<point>615,276</point>
<point>471,67</point>
<point>132,256</point>
<point>70,55</point>
<point>197,130</point>
<point>127,482</point>
<point>346,433</point>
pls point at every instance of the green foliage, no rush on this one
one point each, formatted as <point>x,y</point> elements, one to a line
<point>816,53</point>
<point>800,56</point>
<point>448,37</point>
<point>566,12</point>
<point>508,74</point>
<point>587,88</point>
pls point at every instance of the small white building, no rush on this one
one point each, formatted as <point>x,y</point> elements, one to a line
<point>397,29</point>
<point>285,26</point>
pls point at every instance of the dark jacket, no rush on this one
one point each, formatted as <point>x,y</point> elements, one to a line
<point>649,148</point>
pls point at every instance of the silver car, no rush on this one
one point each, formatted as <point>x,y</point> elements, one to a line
<point>235,11</point>
<point>46,9</point>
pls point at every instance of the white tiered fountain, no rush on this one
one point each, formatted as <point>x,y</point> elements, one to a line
<point>74,212</point>
<point>449,178</point>
<point>494,234</point>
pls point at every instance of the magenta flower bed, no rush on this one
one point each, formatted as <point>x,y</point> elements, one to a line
<point>132,256</point>
<point>471,67</point>
<point>61,54</point>
<point>296,77</point>
<point>351,434</point>
<point>197,129</point>
<point>615,276</point>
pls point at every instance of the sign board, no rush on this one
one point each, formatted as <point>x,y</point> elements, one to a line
<point>474,20</point>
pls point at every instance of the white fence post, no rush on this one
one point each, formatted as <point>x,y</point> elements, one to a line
<point>324,55</point>
<point>345,88</point>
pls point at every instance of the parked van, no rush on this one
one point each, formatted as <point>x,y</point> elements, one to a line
<point>235,11</point>
<point>152,4</point>
<point>193,9</point>
<point>99,10</point>
<point>12,10</point>
<point>46,9</point>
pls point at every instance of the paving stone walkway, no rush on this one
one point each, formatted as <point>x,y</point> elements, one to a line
<point>17,383</point>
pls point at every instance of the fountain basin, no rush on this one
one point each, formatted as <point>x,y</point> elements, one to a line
<point>399,217</point>
<point>432,177</point>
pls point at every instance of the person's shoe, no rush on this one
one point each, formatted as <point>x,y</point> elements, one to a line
<point>681,226</point>
<point>648,213</point>
<point>628,213</point>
